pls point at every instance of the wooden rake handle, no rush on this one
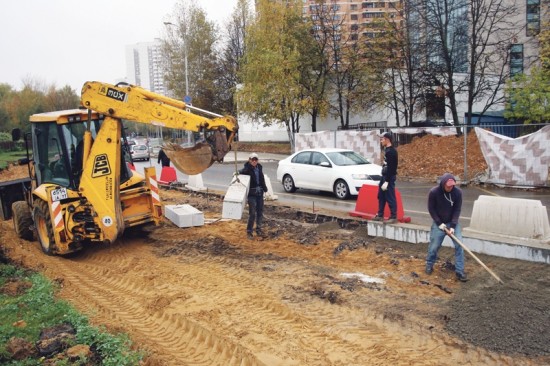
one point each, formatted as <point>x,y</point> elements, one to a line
<point>448,232</point>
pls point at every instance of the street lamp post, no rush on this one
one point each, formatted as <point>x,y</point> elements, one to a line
<point>185,60</point>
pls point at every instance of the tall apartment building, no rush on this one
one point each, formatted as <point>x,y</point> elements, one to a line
<point>144,66</point>
<point>534,15</point>
<point>357,18</point>
<point>353,16</point>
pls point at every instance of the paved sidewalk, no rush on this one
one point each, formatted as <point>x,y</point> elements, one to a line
<point>242,156</point>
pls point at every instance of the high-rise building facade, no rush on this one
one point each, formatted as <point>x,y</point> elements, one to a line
<point>144,66</point>
<point>353,17</point>
<point>356,17</point>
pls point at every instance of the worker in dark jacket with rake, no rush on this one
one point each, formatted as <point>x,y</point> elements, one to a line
<point>255,195</point>
<point>444,205</point>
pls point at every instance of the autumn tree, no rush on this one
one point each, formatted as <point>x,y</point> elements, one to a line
<point>190,51</point>
<point>353,71</point>
<point>396,48</point>
<point>314,68</point>
<point>271,91</point>
<point>467,50</point>
<point>232,54</point>
<point>16,106</point>
<point>22,104</point>
<point>6,91</point>
<point>529,94</point>
<point>60,99</point>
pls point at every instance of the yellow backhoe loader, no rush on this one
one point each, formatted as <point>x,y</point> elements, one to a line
<point>81,188</point>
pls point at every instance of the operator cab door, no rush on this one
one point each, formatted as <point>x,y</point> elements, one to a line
<point>51,157</point>
<point>58,152</point>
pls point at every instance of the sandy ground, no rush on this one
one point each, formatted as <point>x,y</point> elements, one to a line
<point>316,291</point>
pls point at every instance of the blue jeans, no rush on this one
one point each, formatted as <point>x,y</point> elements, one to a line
<point>436,239</point>
<point>255,212</point>
<point>387,196</point>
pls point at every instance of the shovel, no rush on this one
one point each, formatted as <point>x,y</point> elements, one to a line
<point>448,232</point>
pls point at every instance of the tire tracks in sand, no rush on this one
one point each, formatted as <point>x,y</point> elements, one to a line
<point>252,308</point>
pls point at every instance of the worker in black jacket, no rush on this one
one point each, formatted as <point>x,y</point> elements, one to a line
<point>386,187</point>
<point>163,159</point>
<point>255,194</point>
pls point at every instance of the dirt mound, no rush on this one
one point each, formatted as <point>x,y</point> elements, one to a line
<point>429,156</point>
<point>12,172</point>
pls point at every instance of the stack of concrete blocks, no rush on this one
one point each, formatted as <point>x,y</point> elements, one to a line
<point>234,201</point>
<point>184,215</point>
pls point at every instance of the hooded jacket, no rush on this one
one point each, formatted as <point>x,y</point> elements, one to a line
<point>445,207</point>
<point>256,187</point>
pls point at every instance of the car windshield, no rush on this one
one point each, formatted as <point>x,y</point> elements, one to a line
<point>140,147</point>
<point>347,158</point>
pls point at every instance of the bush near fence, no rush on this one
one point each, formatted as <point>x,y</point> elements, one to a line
<point>12,146</point>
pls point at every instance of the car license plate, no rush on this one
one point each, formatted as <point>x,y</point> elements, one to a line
<point>59,194</point>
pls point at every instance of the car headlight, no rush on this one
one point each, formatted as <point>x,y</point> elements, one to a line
<point>360,176</point>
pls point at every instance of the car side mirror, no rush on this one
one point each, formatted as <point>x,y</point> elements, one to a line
<point>325,164</point>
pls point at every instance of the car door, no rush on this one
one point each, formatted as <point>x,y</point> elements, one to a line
<point>319,172</point>
<point>300,169</point>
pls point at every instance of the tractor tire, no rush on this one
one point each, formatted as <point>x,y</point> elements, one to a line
<point>43,224</point>
<point>22,220</point>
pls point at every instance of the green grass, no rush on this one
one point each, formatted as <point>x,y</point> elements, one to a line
<point>39,308</point>
<point>7,157</point>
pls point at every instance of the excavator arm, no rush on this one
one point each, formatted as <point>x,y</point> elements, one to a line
<point>136,104</point>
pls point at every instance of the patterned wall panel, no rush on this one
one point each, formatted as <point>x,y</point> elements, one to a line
<point>366,143</point>
<point>523,161</point>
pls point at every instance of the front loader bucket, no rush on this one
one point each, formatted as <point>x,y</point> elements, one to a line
<point>190,160</point>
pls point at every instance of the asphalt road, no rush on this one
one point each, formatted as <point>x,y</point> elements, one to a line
<point>414,195</point>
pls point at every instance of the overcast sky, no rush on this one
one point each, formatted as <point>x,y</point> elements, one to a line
<point>69,42</point>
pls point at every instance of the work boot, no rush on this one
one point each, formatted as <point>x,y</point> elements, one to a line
<point>429,269</point>
<point>260,233</point>
<point>461,277</point>
<point>249,235</point>
<point>378,218</point>
<point>392,220</point>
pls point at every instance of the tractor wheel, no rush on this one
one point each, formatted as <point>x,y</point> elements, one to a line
<point>22,220</point>
<point>43,224</point>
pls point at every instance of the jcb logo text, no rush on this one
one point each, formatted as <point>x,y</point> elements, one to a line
<point>101,166</point>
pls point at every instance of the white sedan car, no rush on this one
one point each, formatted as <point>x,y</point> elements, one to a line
<point>333,170</point>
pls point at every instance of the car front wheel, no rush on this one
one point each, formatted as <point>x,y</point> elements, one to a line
<point>341,189</point>
<point>288,184</point>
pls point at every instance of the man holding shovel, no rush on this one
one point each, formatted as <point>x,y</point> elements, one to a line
<point>444,205</point>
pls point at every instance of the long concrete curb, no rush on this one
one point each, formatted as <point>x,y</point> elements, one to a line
<point>506,247</point>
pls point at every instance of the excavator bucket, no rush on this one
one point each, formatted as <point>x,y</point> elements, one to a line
<point>195,160</point>
<point>191,160</point>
